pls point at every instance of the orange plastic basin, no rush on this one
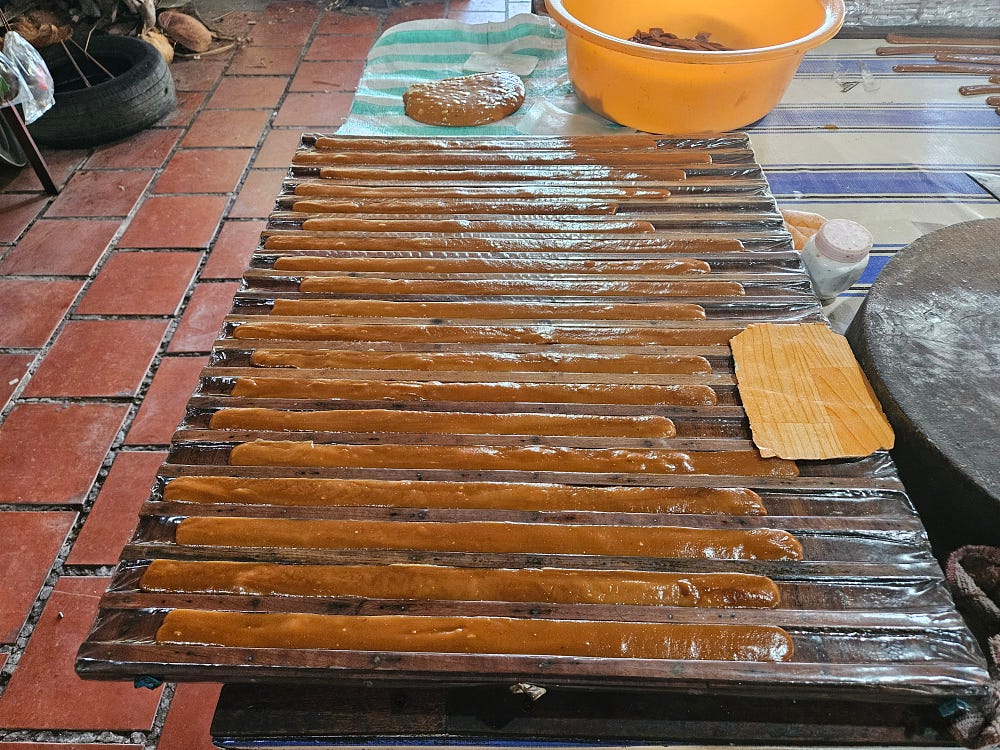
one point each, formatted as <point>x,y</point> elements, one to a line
<point>680,91</point>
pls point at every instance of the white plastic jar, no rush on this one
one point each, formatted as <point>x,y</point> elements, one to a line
<point>836,256</point>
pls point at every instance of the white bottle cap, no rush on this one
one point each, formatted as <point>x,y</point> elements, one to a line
<point>843,240</point>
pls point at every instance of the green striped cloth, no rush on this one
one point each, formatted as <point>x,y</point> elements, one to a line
<point>420,51</point>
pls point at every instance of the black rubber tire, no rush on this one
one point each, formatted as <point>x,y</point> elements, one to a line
<point>141,93</point>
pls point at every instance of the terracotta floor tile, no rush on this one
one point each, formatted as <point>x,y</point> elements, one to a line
<point>197,75</point>
<point>136,283</point>
<point>100,194</point>
<point>175,221</point>
<point>61,247</point>
<point>237,22</point>
<point>269,33</point>
<point>18,211</point>
<point>230,254</point>
<point>348,23</point>
<point>248,92</point>
<point>278,148</point>
<point>13,368</point>
<point>327,111</point>
<point>477,16</point>
<point>226,128</point>
<point>148,148</point>
<point>257,196</point>
<point>52,452</point>
<point>291,11</point>
<point>61,164</point>
<point>328,75</point>
<point>98,358</point>
<point>45,692</point>
<point>189,719</point>
<point>188,103</point>
<point>202,320</point>
<point>31,310</point>
<point>203,170</point>
<point>164,405</point>
<point>31,543</point>
<point>265,61</point>
<point>415,12</point>
<point>116,510</point>
<point>341,47</point>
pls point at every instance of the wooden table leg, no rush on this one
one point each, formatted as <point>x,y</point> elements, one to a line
<point>27,143</point>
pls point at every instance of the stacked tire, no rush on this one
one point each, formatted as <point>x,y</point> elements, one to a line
<point>139,94</point>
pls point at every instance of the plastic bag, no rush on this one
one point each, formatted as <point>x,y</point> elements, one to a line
<point>10,83</point>
<point>37,90</point>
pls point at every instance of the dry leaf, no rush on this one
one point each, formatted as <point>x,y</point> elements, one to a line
<point>186,30</point>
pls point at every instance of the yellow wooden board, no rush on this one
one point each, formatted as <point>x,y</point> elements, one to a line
<point>805,393</point>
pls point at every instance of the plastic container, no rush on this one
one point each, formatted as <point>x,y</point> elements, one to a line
<point>687,91</point>
<point>836,256</point>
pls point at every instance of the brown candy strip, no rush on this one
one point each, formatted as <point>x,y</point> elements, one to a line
<point>403,207</point>
<point>480,635</point>
<point>671,542</point>
<point>472,156</point>
<point>307,492</point>
<point>443,423</point>
<point>295,241</point>
<point>438,583</point>
<point>977,90</point>
<point>930,49</point>
<point>948,68</point>
<point>486,264</point>
<point>348,359</point>
<point>488,310</point>
<point>974,59</point>
<point>509,458</point>
<point>493,334</point>
<point>494,392</point>
<point>526,224</point>
<point>525,285</point>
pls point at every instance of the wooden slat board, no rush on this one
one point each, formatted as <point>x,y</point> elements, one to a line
<point>866,607</point>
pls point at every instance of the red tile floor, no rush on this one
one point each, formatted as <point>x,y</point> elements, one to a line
<point>111,295</point>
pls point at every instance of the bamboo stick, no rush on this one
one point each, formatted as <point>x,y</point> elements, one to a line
<point>976,90</point>
<point>962,58</point>
<point>948,68</point>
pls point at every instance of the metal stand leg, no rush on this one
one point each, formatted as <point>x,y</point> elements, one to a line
<point>20,130</point>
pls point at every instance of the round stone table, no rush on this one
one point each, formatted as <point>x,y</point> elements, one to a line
<point>928,337</point>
